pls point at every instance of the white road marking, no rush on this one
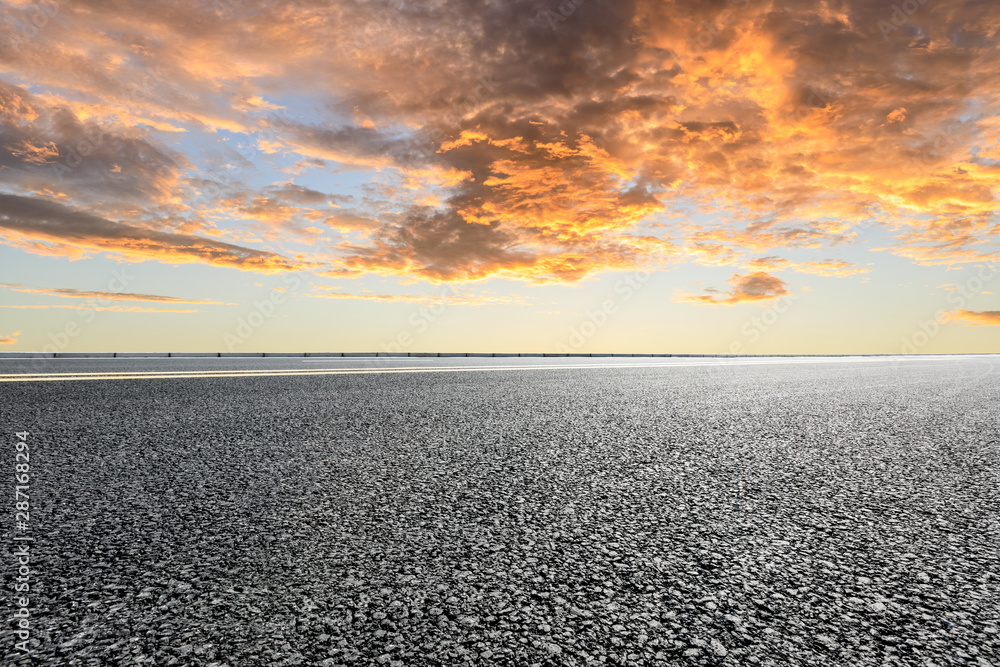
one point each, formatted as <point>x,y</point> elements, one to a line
<point>149,375</point>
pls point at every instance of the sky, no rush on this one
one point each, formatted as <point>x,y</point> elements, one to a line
<point>735,177</point>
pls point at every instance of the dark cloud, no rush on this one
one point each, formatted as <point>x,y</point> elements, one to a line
<point>46,148</point>
<point>298,194</point>
<point>352,146</point>
<point>440,246</point>
<point>31,218</point>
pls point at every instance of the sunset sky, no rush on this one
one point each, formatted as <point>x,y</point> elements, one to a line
<point>585,176</point>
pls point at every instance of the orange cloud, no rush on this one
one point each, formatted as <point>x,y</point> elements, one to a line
<point>973,318</point>
<point>757,286</point>
<point>347,221</point>
<point>9,339</point>
<point>32,154</point>
<point>897,115</point>
<point>549,144</point>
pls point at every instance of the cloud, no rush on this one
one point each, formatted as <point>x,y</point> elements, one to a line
<point>348,145</point>
<point>299,194</point>
<point>288,210</point>
<point>536,141</point>
<point>758,286</point>
<point>113,309</point>
<point>348,221</point>
<point>447,299</point>
<point>70,293</point>
<point>444,247</point>
<point>973,318</point>
<point>825,267</point>
<point>9,339</point>
<point>46,147</point>
<point>25,218</point>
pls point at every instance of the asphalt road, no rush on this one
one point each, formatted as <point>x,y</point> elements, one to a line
<point>766,512</point>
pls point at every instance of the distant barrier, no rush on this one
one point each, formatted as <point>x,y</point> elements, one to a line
<point>135,355</point>
<point>140,355</point>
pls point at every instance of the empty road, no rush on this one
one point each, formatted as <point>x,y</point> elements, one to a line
<point>510,511</point>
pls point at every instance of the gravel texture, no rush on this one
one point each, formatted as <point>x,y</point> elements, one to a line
<point>821,514</point>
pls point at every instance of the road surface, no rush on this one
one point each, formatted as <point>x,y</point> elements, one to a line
<point>507,511</point>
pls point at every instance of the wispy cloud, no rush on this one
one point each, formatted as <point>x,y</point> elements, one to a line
<point>9,339</point>
<point>448,299</point>
<point>70,293</point>
<point>974,318</point>
<point>112,309</point>
<point>825,267</point>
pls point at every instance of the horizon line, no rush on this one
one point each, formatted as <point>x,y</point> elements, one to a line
<point>404,355</point>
